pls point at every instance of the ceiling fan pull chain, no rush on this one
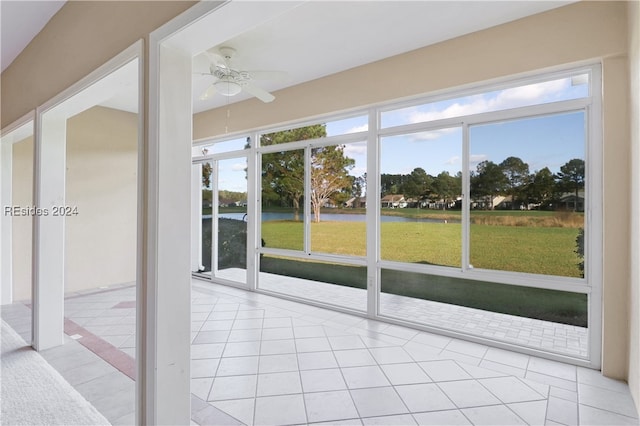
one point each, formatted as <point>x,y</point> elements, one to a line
<point>226,123</point>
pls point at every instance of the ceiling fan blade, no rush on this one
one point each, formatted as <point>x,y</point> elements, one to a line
<point>211,90</point>
<point>259,93</point>
<point>268,75</point>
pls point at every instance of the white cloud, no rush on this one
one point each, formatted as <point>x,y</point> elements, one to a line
<point>355,149</point>
<point>456,110</point>
<point>357,129</point>
<point>531,93</point>
<point>239,167</point>
<point>430,135</point>
<point>453,160</point>
<point>504,99</point>
<point>358,171</point>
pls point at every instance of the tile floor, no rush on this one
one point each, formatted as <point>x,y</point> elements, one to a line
<point>552,337</point>
<point>258,359</point>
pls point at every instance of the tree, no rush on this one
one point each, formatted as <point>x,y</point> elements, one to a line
<point>418,184</point>
<point>283,179</point>
<point>329,175</point>
<point>542,186</point>
<point>391,184</point>
<point>447,187</point>
<point>206,175</point>
<point>359,186</point>
<point>571,178</point>
<point>283,172</point>
<point>487,181</point>
<point>516,173</point>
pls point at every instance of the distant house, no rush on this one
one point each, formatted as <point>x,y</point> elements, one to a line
<point>225,202</point>
<point>508,203</point>
<point>440,204</point>
<point>413,202</point>
<point>393,201</point>
<point>569,201</point>
<point>486,204</point>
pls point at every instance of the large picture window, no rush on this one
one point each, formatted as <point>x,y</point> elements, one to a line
<point>312,210</point>
<point>503,199</point>
<point>420,190</point>
<point>527,195</point>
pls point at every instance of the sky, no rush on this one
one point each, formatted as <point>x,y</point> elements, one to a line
<point>548,141</point>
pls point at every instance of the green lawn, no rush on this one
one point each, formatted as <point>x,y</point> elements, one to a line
<point>536,250</point>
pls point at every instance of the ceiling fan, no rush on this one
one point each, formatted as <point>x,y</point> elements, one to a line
<point>231,81</point>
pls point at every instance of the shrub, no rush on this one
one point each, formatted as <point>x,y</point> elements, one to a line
<point>232,240</point>
<point>232,243</point>
<point>580,250</point>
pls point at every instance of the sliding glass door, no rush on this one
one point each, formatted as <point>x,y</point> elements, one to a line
<point>223,218</point>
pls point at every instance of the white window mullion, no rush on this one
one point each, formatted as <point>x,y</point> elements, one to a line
<point>214,218</point>
<point>253,213</point>
<point>373,215</point>
<point>594,204</point>
<point>306,210</point>
<point>196,217</point>
<point>466,198</point>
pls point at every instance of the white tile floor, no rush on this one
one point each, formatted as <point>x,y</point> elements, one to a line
<point>551,337</point>
<point>258,359</point>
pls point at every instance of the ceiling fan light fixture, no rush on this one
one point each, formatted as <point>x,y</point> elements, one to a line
<point>227,87</point>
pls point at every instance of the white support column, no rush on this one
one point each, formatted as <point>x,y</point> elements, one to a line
<point>6,278</point>
<point>253,215</point>
<point>48,235</point>
<point>164,344</point>
<point>196,217</point>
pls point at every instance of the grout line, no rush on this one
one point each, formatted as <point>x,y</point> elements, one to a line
<point>506,404</point>
<point>603,409</point>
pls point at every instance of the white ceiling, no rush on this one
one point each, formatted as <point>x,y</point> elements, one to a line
<point>20,22</point>
<point>313,39</point>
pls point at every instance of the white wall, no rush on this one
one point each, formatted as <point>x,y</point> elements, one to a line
<point>22,195</point>
<point>101,182</point>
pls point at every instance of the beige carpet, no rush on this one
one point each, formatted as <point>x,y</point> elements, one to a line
<point>34,393</point>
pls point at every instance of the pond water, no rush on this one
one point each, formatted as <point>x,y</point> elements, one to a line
<point>340,217</point>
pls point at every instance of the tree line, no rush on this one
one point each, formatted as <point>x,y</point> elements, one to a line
<point>511,177</point>
<point>283,176</point>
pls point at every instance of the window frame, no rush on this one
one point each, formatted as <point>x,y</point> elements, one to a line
<point>307,146</point>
